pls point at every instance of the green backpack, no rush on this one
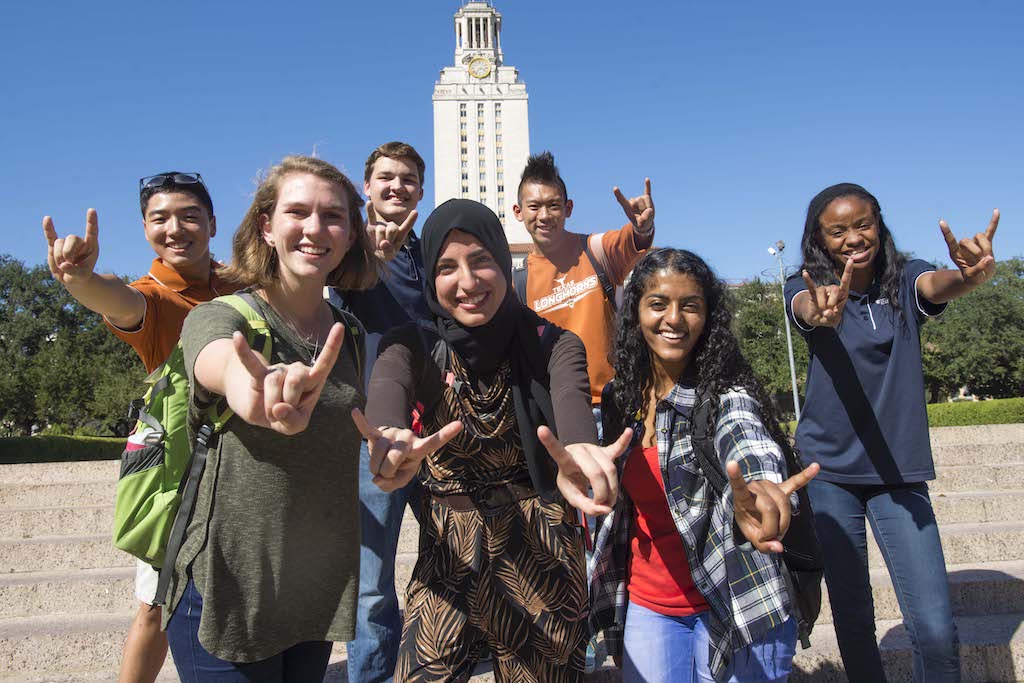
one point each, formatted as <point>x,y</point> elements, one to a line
<point>160,469</point>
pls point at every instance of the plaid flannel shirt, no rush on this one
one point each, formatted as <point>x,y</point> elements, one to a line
<point>743,587</point>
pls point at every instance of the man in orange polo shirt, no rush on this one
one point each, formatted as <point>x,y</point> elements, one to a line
<point>562,284</point>
<point>177,216</point>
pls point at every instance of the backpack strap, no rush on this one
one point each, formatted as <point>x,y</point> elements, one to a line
<point>704,442</point>
<point>606,284</point>
<point>259,339</point>
<point>355,333</point>
<point>257,336</point>
<point>520,274</point>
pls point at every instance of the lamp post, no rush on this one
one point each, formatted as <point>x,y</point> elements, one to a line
<point>776,251</point>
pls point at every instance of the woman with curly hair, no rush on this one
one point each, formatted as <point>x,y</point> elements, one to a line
<point>859,304</point>
<point>687,584</point>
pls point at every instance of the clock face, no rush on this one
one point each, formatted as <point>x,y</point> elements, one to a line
<point>479,68</point>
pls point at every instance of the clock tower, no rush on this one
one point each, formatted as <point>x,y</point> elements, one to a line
<point>481,129</point>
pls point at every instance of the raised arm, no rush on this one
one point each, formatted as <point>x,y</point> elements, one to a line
<point>974,259</point>
<point>72,259</point>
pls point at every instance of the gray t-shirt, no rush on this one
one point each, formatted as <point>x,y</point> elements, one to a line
<point>273,546</point>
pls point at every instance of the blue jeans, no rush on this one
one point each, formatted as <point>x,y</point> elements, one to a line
<point>374,652</point>
<point>903,523</point>
<point>302,663</point>
<point>663,649</point>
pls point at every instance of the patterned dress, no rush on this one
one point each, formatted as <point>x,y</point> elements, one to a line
<point>511,576</point>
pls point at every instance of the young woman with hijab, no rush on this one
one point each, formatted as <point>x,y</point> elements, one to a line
<point>688,584</point>
<point>859,304</point>
<point>501,559</point>
<point>267,576</point>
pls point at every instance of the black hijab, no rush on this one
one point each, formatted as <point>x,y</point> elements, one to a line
<point>483,348</point>
<point>512,333</point>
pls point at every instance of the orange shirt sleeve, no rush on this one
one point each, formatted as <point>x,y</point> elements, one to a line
<point>616,251</point>
<point>161,324</point>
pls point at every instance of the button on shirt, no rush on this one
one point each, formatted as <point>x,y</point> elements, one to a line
<point>864,418</point>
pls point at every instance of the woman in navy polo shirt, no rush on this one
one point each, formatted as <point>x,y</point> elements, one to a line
<point>859,305</point>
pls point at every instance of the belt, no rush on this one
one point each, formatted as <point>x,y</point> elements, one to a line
<point>487,499</point>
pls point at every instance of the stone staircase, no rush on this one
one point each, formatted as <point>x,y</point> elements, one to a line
<point>66,595</point>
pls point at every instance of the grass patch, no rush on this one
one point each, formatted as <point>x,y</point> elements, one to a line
<point>964,413</point>
<point>24,449</point>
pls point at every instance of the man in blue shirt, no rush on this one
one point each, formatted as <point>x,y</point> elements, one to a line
<point>393,183</point>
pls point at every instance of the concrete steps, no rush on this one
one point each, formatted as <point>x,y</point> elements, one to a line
<point>991,650</point>
<point>66,596</point>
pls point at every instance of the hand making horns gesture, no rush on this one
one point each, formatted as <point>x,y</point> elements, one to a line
<point>639,210</point>
<point>72,258</point>
<point>387,236</point>
<point>826,302</point>
<point>280,397</point>
<point>973,256</point>
<point>586,465</point>
<point>396,454</point>
<point>761,508</point>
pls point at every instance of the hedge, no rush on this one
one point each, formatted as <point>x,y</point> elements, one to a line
<point>964,413</point>
<point>22,449</point>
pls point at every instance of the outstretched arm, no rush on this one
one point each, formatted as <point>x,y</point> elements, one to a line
<point>974,259</point>
<point>279,397</point>
<point>761,507</point>
<point>72,259</point>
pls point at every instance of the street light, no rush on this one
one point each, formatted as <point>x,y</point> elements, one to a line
<point>776,251</point>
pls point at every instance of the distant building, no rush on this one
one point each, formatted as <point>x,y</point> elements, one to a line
<point>481,125</point>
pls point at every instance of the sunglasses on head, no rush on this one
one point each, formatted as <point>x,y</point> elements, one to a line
<point>165,179</point>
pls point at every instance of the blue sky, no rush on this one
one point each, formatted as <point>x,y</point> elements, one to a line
<point>738,111</point>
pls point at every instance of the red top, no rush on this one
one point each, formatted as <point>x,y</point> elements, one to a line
<point>659,576</point>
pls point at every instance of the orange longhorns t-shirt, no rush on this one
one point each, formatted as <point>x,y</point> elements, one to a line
<point>573,299</point>
<point>169,298</point>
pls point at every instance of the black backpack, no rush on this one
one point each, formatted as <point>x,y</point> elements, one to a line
<point>521,273</point>
<point>802,557</point>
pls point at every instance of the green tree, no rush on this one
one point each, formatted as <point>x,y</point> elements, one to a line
<point>55,355</point>
<point>979,341</point>
<point>760,327</point>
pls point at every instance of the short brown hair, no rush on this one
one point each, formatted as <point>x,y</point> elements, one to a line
<point>395,150</point>
<point>254,262</point>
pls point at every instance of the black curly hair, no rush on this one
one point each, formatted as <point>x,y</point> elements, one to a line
<point>820,265</point>
<point>715,364</point>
